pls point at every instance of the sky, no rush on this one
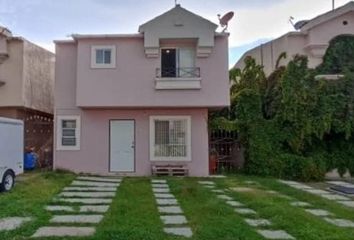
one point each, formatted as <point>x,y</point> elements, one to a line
<point>255,21</point>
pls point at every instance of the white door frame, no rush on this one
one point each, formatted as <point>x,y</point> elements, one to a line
<point>109,145</point>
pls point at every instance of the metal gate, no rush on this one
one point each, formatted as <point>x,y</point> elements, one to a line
<point>226,145</point>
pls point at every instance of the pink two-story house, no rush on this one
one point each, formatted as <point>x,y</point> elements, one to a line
<point>125,102</point>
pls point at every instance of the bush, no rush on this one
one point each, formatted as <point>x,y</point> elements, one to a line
<point>290,124</point>
<point>302,168</point>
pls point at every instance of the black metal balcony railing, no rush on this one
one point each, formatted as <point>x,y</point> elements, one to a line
<point>190,72</point>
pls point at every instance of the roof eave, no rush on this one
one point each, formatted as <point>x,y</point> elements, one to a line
<point>349,7</point>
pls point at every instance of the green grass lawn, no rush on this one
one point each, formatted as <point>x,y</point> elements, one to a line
<point>133,214</point>
<point>28,198</point>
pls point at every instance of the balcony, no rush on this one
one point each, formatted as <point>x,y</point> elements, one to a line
<point>178,78</point>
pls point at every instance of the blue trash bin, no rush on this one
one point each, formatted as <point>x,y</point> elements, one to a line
<point>30,161</point>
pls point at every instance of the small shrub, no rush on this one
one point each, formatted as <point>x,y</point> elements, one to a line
<point>302,168</point>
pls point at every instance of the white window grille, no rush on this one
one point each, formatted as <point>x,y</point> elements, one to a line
<point>170,138</point>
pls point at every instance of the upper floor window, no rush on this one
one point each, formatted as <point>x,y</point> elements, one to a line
<point>178,63</point>
<point>103,56</point>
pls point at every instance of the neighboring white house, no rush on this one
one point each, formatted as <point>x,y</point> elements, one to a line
<point>312,39</point>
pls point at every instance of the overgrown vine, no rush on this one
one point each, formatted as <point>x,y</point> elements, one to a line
<point>292,124</point>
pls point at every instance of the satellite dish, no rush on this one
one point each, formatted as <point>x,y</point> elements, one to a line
<point>224,21</point>
<point>300,24</point>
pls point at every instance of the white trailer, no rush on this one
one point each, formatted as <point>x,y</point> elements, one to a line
<point>11,151</point>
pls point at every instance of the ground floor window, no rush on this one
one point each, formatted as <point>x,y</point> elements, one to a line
<point>68,133</point>
<point>170,138</point>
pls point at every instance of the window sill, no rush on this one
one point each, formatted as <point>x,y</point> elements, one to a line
<point>177,83</point>
<point>103,66</point>
<point>65,148</point>
<point>170,159</point>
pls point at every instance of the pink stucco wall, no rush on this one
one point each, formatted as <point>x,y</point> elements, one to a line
<point>128,92</point>
<point>132,82</point>
<point>93,156</point>
<point>324,32</point>
<point>313,43</point>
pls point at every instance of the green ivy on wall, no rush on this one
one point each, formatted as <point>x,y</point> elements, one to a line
<point>290,124</point>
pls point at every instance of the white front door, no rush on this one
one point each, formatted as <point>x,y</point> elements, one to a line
<point>122,146</point>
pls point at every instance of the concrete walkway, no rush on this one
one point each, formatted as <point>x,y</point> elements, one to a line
<point>249,215</point>
<point>12,223</point>
<point>85,201</point>
<point>313,210</point>
<point>171,213</point>
<point>344,200</point>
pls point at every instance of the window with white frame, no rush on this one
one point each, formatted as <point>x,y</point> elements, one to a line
<point>103,56</point>
<point>68,133</point>
<point>170,138</point>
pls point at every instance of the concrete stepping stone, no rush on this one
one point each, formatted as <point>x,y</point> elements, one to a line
<point>160,185</point>
<point>303,187</point>
<point>336,197</point>
<point>235,204</point>
<point>88,194</point>
<point>340,222</point>
<point>12,223</point>
<point>76,219</point>
<point>285,197</point>
<point>318,212</point>
<point>94,208</point>
<point>166,201</point>
<point>209,186</point>
<point>218,191</point>
<point>164,195</point>
<point>84,200</point>
<point>278,194</point>
<point>316,191</point>
<point>341,183</point>
<point>206,182</point>
<point>64,232</point>
<point>245,211</point>
<point>59,208</point>
<point>300,204</point>
<point>242,189</point>
<point>170,209</point>
<point>272,234</point>
<point>272,192</point>
<point>258,222</point>
<point>287,182</point>
<point>94,184</point>
<point>216,176</point>
<point>161,190</point>
<point>224,197</point>
<point>158,181</point>
<point>179,231</point>
<point>100,179</point>
<point>90,189</point>
<point>173,219</point>
<point>251,182</point>
<point>347,203</point>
